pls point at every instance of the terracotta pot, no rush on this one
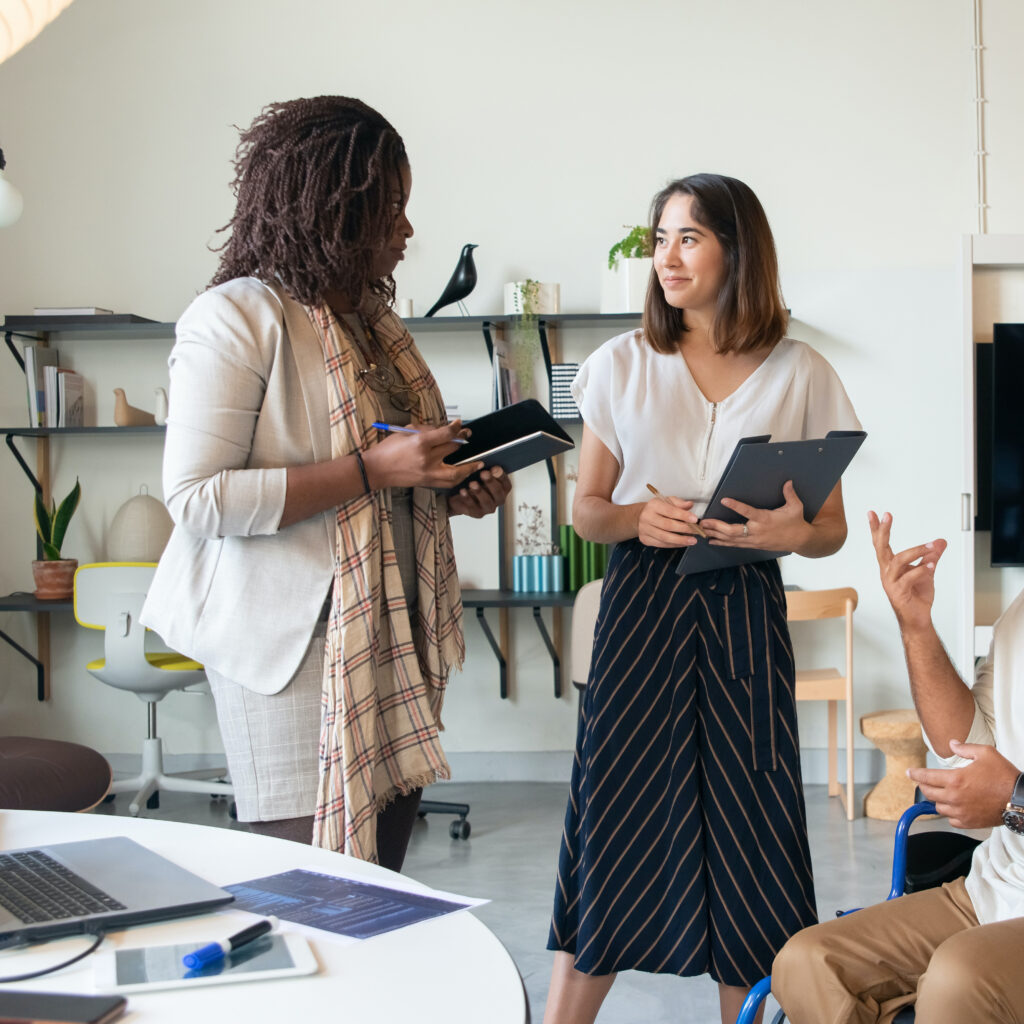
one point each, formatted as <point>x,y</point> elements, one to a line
<point>55,580</point>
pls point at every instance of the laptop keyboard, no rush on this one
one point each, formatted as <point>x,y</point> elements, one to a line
<point>36,888</point>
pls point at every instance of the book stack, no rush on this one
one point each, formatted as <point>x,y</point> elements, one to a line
<point>507,390</point>
<point>563,405</point>
<point>55,393</point>
<point>71,311</point>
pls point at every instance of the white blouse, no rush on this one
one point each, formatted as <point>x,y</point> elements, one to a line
<point>647,410</point>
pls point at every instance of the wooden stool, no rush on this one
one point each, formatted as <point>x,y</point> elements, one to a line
<point>898,735</point>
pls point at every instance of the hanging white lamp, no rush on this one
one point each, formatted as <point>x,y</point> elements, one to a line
<point>22,20</point>
<point>11,202</point>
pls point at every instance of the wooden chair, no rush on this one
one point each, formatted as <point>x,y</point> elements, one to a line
<point>829,684</point>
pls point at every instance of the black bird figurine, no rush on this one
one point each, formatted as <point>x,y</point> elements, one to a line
<point>461,283</point>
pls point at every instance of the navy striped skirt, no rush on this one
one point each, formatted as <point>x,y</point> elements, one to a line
<point>685,844</point>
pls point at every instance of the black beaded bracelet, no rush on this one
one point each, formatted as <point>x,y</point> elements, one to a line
<point>362,471</point>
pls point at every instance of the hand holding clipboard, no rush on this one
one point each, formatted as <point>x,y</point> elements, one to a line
<point>756,476</point>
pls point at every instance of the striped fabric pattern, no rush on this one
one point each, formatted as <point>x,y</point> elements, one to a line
<point>685,842</point>
<point>382,692</point>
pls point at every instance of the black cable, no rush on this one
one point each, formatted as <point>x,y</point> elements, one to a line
<point>100,936</point>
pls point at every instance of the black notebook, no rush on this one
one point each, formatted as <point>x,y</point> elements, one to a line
<point>513,437</point>
<point>755,475</point>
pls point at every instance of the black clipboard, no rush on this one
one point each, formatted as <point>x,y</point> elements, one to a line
<point>755,475</point>
<point>513,437</point>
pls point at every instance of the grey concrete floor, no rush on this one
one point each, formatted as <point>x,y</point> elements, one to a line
<point>510,859</point>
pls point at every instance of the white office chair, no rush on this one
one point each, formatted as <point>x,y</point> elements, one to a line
<point>109,596</point>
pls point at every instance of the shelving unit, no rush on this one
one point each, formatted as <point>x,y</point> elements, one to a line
<point>504,598</point>
<point>48,329</point>
<point>43,330</point>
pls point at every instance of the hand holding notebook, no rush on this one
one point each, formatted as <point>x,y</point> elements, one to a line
<point>513,437</point>
<point>757,475</point>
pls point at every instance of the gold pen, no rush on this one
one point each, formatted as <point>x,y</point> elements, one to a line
<point>696,526</point>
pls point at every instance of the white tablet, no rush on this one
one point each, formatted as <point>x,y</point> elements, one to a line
<point>157,967</point>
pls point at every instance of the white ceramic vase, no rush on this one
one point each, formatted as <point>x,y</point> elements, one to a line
<point>546,300</point>
<point>624,289</point>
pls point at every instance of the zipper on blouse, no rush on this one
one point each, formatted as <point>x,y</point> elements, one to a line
<point>707,444</point>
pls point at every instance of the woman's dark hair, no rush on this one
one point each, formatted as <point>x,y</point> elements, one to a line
<point>750,312</point>
<point>314,185</point>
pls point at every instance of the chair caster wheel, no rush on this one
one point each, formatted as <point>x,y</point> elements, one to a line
<point>233,811</point>
<point>459,829</point>
<point>153,803</point>
<point>109,798</point>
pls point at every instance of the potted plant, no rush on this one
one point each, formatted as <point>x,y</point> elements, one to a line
<point>630,262</point>
<point>55,575</point>
<point>516,359</point>
<point>540,567</point>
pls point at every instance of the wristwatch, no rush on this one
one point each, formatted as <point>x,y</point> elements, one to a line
<point>1013,816</point>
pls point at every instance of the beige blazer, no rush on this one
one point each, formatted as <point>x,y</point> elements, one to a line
<point>248,397</point>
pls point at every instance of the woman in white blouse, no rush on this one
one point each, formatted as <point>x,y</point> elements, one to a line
<point>685,844</point>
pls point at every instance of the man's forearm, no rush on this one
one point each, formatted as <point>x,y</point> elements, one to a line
<point>943,701</point>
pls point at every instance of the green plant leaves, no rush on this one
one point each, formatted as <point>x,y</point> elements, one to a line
<point>52,523</point>
<point>64,514</point>
<point>43,519</point>
<point>636,245</point>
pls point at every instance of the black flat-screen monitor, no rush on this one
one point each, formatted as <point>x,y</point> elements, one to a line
<point>983,436</point>
<point>1007,461</point>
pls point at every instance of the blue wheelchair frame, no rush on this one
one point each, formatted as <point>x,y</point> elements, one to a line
<point>757,995</point>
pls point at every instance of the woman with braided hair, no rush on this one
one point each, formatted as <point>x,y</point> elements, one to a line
<point>311,567</point>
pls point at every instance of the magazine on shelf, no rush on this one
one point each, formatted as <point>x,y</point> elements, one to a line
<point>50,374</point>
<point>63,393</point>
<point>37,358</point>
<point>70,399</point>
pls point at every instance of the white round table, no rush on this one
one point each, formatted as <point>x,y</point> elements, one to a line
<point>448,969</point>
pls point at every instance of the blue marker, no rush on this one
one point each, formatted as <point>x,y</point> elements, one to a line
<point>391,428</point>
<point>218,950</point>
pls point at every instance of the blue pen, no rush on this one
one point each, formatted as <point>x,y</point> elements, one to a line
<point>391,428</point>
<point>218,950</point>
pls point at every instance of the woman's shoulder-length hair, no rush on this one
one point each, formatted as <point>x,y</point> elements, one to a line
<point>750,312</point>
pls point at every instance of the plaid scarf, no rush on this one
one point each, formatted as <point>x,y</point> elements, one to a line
<point>382,694</point>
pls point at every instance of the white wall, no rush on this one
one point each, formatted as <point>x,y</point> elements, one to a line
<point>535,130</point>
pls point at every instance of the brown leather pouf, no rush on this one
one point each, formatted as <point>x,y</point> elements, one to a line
<point>50,775</point>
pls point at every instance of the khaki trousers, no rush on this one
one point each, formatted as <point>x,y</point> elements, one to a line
<point>925,948</point>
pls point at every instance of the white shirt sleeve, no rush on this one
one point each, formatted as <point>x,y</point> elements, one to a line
<point>828,405</point>
<point>592,390</point>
